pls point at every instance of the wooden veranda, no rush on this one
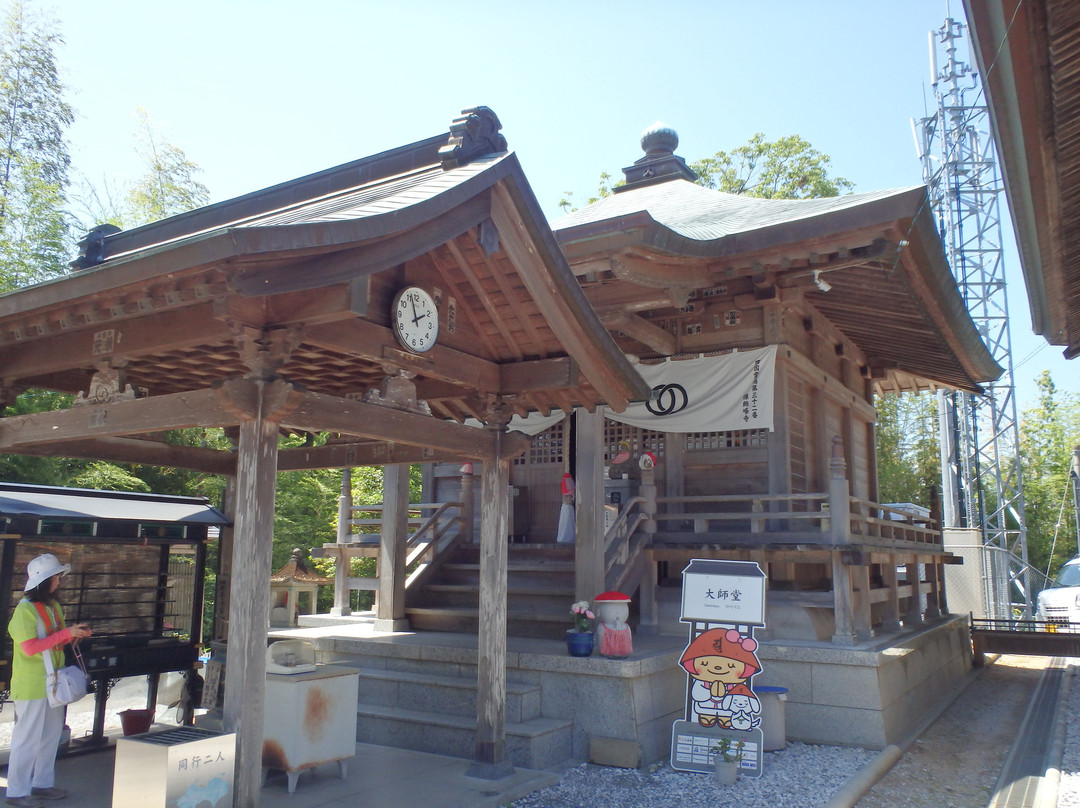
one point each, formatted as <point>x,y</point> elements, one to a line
<point>273,312</point>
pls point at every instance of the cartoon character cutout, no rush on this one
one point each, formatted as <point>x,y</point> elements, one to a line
<point>721,662</point>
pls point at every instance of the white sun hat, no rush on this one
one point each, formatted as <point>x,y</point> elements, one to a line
<point>42,568</point>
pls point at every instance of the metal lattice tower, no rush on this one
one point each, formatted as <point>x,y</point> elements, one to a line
<point>979,436</point>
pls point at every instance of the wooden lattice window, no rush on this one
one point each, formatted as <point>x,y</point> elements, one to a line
<point>640,440</point>
<point>733,439</point>
<point>547,447</point>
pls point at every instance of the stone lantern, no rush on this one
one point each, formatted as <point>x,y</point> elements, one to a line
<point>288,586</point>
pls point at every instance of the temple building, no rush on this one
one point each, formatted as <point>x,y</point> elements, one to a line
<point>701,365</point>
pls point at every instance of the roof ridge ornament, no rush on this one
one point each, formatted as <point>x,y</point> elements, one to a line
<point>474,134</point>
<point>92,246</point>
<point>660,162</point>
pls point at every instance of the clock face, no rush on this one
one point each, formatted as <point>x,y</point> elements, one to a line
<point>416,319</point>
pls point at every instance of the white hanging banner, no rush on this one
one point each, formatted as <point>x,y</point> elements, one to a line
<point>533,425</point>
<point>707,394</point>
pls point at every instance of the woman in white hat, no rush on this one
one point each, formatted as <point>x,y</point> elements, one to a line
<point>38,726</point>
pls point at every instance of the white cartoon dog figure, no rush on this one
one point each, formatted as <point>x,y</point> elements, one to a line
<point>743,706</point>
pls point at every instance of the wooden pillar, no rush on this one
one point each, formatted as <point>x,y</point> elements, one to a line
<point>839,495</point>
<point>468,504</point>
<point>589,545</point>
<point>491,760</point>
<point>890,618</point>
<point>779,440</point>
<point>253,533</point>
<point>943,605</point>
<point>674,451</point>
<point>390,608</point>
<point>225,556</point>
<point>843,608</point>
<point>342,563</point>
<point>862,621</point>
<point>874,494</point>
<point>914,612</point>
<point>933,610</point>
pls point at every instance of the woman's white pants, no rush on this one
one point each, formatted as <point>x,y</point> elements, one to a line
<point>34,741</point>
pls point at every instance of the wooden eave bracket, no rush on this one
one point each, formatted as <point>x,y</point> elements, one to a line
<point>640,329</point>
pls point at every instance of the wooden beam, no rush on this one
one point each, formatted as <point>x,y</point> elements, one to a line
<point>361,453</point>
<point>491,642</point>
<point>250,602</point>
<point>594,351</point>
<point>316,412</point>
<point>369,259</point>
<point>636,327</point>
<point>146,452</point>
<point>456,292</point>
<point>161,331</point>
<point>466,269</point>
<point>517,378</point>
<point>372,342</point>
<point>210,407</point>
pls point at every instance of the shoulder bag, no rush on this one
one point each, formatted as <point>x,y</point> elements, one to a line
<point>69,684</point>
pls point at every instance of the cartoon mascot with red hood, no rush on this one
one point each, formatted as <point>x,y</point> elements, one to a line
<point>721,662</point>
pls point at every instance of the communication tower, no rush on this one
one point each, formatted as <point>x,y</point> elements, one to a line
<point>978,433</point>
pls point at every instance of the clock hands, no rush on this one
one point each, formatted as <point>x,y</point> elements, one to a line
<point>417,317</point>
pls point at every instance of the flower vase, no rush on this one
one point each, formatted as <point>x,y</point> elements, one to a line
<point>579,643</point>
<point>727,771</point>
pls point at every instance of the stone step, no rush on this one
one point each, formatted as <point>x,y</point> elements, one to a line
<point>525,574</point>
<point>536,744</point>
<point>529,623</point>
<point>548,598</point>
<point>529,552</point>
<point>447,695</point>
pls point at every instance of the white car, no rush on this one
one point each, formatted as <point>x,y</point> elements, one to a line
<point>1059,604</point>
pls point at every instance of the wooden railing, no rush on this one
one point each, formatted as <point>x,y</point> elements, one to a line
<point>433,536</point>
<point>623,544</point>
<point>432,540</point>
<point>815,518</point>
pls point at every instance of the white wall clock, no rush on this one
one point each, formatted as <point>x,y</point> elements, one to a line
<point>415,319</point>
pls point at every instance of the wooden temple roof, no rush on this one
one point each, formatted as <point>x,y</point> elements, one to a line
<point>871,263</point>
<point>294,285</point>
<point>1028,56</point>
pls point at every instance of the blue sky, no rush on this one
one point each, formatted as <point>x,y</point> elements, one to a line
<point>257,93</point>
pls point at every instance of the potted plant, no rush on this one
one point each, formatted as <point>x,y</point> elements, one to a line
<point>579,639</point>
<point>727,758</point>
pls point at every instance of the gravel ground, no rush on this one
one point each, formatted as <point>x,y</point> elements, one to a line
<point>954,763</point>
<point>801,776</point>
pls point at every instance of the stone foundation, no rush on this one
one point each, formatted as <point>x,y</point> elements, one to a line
<point>874,694</point>
<point>620,712</point>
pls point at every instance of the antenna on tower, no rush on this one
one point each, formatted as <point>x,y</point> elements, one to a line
<point>980,466</point>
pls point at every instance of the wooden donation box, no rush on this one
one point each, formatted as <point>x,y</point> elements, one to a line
<point>184,767</point>
<point>310,715</point>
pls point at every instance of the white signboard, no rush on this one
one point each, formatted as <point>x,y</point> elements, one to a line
<point>723,592</point>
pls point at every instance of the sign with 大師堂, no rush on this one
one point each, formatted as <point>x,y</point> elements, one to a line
<point>731,592</point>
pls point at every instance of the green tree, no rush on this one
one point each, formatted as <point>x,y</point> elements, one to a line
<point>788,168</point>
<point>909,464</point>
<point>169,186</point>
<point>1048,432</point>
<point>34,161</point>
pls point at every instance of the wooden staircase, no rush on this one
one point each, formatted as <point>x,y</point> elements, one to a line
<point>540,590</point>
